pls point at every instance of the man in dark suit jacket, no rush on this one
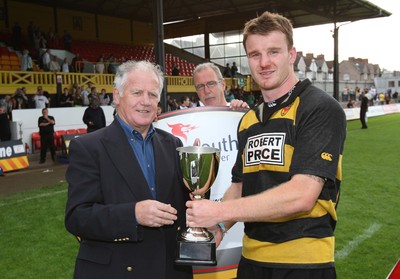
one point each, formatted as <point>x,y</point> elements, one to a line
<point>126,198</point>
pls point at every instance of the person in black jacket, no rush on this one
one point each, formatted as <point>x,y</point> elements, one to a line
<point>94,116</point>
<point>126,197</point>
<point>46,130</point>
<point>363,110</point>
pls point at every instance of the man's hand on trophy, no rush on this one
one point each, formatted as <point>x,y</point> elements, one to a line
<point>202,213</point>
<point>153,213</point>
<point>238,104</point>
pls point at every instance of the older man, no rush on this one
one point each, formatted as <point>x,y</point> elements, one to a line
<point>126,198</point>
<point>210,87</point>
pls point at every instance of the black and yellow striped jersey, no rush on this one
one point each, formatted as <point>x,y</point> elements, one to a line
<point>305,135</point>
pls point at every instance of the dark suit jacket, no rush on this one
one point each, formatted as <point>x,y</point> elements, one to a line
<point>105,182</point>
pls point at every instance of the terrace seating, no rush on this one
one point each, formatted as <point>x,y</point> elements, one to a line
<point>58,141</point>
<point>91,51</point>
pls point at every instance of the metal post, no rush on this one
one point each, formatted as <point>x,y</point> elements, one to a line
<point>158,20</point>
<point>336,62</point>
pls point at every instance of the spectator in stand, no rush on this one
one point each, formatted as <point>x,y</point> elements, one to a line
<point>172,103</point>
<point>46,60</point>
<point>85,96</point>
<point>54,65</point>
<point>78,99</point>
<point>65,66</point>
<point>40,100</point>
<point>26,61</point>
<point>104,98</point>
<point>42,40</point>
<point>8,105</point>
<point>93,93</point>
<point>234,70</point>
<point>175,70</point>
<point>94,116</point>
<point>5,129</point>
<point>113,65</point>
<point>227,71</point>
<point>251,99</point>
<point>194,101</point>
<point>46,130</point>
<point>19,100</point>
<point>99,68</point>
<point>185,102</point>
<point>77,63</point>
<point>66,99</point>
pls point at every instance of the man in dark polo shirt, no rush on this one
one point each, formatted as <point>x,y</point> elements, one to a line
<point>46,130</point>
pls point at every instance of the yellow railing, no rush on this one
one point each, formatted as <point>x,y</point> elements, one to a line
<point>11,80</point>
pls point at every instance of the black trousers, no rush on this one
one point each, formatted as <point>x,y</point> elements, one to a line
<point>363,115</point>
<point>47,141</point>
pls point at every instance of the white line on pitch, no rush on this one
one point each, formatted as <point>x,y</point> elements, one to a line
<point>34,197</point>
<point>346,250</point>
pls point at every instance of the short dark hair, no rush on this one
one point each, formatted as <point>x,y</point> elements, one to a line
<point>267,23</point>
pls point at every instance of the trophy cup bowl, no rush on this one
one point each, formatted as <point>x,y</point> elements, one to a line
<point>199,166</point>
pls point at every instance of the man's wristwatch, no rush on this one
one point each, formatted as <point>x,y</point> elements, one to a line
<point>223,229</point>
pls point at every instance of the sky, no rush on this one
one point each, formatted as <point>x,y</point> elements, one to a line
<point>377,39</point>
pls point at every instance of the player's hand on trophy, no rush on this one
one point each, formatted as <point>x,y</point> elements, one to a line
<point>202,213</point>
<point>153,213</point>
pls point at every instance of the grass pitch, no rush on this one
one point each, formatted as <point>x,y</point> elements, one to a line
<point>35,244</point>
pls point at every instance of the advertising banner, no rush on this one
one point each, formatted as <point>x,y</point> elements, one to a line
<point>12,156</point>
<point>214,127</point>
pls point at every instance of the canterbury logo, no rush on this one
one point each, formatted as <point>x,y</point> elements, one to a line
<point>326,156</point>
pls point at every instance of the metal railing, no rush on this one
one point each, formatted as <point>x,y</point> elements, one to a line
<point>11,80</point>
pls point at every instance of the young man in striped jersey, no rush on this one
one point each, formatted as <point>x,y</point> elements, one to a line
<point>286,179</point>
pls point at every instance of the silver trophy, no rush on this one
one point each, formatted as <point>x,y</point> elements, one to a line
<point>199,166</point>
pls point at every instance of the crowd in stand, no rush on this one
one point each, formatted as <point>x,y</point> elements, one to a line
<point>78,95</point>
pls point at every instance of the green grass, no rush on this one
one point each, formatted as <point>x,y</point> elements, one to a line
<point>35,244</point>
<point>369,209</point>
<point>33,240</point>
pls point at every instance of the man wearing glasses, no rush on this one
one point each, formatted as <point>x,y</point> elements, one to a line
<point>210,87</point>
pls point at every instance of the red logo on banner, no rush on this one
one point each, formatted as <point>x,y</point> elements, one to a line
<point>180,130</point>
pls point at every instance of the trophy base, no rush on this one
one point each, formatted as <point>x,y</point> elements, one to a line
<point>195,253</point>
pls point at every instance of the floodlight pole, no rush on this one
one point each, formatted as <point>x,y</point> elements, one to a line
<point>336,62</point>
<point>158,20</point>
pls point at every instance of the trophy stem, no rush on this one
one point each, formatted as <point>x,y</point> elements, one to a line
<point>197,235</point>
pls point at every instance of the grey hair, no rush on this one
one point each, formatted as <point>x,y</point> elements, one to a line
<point>125,68</point>
<point>207,65</point>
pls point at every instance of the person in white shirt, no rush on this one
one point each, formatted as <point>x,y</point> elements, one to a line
<point>46,59</point>
<point>85,96</point>
<point>54,65</point>
<point>41,101</point>
<point>65,66</point>
<point>26,61</point>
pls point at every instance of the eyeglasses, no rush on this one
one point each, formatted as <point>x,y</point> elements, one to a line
<point>210,84</point>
